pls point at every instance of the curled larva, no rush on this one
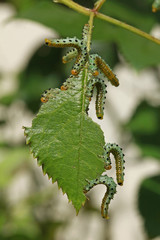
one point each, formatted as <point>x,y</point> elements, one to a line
<point>119,159</point>
<point>73,53</point>
<point>111,190</point>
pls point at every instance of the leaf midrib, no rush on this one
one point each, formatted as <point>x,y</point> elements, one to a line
<point>84,83</point>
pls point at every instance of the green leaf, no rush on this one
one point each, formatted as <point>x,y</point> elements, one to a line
<point>139,51</point>
<point>149,199</point>
<point>145,129</point>
<point>66,142</point>
<point>128,14</point>
<point>49,14</point>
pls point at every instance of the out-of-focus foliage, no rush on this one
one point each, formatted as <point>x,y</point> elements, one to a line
<point>44,66</point>
<point>138,51</point>
<point>10,161</point>
<point>21,220</point>
<point>145,129</point>
<point>149,199</point>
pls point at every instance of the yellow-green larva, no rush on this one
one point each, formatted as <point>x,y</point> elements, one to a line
<point>98,64</point>
<point>119,159</point>
<point>50,93</point>
<point>111,190</point>
<point>100,95</point>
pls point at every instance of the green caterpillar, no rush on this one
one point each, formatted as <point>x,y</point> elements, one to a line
<point>99,71</point>
<point>108,181</point>
<point>111,190</point>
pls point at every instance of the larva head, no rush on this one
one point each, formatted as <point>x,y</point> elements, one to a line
<point>44,99</point>
<point>108,167</point>
<point>120,183</point>
<point>100,116</point>
<point>120,175</point>
<point>95,73</point>
<point>48,42</point>
<point>74,72</point>
<point>64,88</point>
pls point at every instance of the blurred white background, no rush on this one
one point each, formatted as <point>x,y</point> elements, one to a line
<point>18,40</point>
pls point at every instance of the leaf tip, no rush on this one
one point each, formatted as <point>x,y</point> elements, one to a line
<point>26,130</point>
<point>53,181</point>
<point>77,211</point>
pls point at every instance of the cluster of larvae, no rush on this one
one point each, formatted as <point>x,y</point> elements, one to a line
<point>97,72</point>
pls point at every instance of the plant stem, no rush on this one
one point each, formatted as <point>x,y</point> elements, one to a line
<point>87,11</point>
<point>98,5</point>
<point>75,6</point>
<point>90,22</point>
<point>128,27</point>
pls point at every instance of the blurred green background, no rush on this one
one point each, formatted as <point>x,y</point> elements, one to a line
<point>31,208</point>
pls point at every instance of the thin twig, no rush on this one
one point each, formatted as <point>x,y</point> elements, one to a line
<point>92,15</point>
<point>128,27</point>
<point>75,6</point>
<point>98,5</point>
<point>87,11</point>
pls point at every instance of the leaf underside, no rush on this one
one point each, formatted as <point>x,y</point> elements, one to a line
<point>67,143</point>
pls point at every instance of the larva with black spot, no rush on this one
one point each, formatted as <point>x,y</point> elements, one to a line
<point>100,99</point>
<point>73,53</point>
<point>119,159</point>
<point>92,65</point>
<point>62,43</point>
<point>50,93</point>
<point>82,57</point>
<point>111,190</point>
<point>104,67</point>
<point>100,95</point>
<point>82,54</point>
<point>68,42</point>
<point>64,88</point>
<point>81,60</point>
<point>85,33</point>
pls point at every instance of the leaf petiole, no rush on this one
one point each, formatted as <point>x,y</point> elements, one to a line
<point>98,5</point>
